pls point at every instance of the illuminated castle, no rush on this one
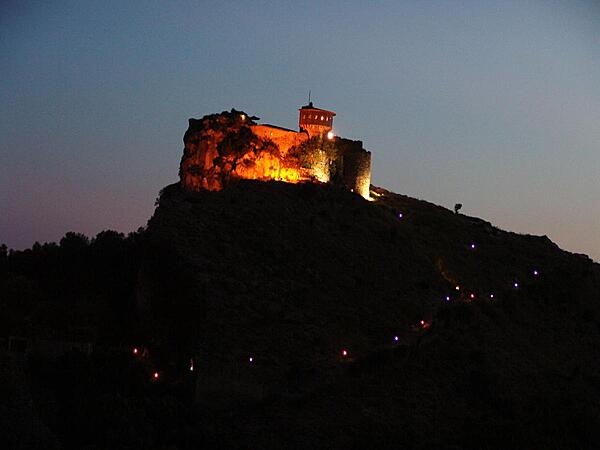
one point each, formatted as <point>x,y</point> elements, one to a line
<point>220,148</point>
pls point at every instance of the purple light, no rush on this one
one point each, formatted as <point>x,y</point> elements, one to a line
<point>447,298</point>
<point>536,273</point>
<point>251,359</point>
<point>472,246</point>
<point>516,285</point>
<point>396,338</point>
<point>400,215</point>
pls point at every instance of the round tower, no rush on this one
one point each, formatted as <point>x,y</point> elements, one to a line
<point>315,121</point>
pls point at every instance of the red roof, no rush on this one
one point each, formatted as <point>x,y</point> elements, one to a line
<point>312,108</point>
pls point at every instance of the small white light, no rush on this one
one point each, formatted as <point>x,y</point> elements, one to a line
<point>330,135</point>
<point>457,287</point>
<point>251,359</point>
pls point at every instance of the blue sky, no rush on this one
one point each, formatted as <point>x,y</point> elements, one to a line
<point>494,104</point>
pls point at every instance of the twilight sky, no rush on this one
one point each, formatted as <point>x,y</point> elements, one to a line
<point>494,104</point>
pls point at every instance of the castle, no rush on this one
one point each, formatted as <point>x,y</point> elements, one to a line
<point>220,148</point>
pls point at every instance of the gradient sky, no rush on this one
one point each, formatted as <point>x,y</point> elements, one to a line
<point>494,104</point>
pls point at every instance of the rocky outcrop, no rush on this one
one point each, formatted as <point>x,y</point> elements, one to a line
<point>222,147</point>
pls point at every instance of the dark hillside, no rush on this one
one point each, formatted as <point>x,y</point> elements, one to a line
<point>293,275</point>
<point>310,318</point>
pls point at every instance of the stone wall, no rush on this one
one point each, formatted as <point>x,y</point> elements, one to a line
<point>283,138</point>
<point>354,165</point>
<point>357,172</point>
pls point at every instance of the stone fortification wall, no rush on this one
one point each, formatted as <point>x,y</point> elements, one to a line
<point>354,165</point>
<point>357,172</point>
<point>283,138</point>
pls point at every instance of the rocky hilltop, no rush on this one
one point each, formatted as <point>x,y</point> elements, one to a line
<point>322,320</point>
<point>220,147</point>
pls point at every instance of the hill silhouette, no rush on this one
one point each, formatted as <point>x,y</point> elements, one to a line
<point>311,318</point>
<point>294,275</point>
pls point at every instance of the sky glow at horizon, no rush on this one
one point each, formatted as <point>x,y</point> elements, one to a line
<point>492,104</point>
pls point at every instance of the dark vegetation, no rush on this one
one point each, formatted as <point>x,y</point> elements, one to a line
<point>291,275</point>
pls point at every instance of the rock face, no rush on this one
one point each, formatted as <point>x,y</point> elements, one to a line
<point>220,148</point>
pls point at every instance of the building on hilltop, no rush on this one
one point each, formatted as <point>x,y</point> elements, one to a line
<point>231,145</point>
<point>315,121</point>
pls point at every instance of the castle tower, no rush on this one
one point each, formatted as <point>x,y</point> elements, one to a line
<point>315,121</point>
